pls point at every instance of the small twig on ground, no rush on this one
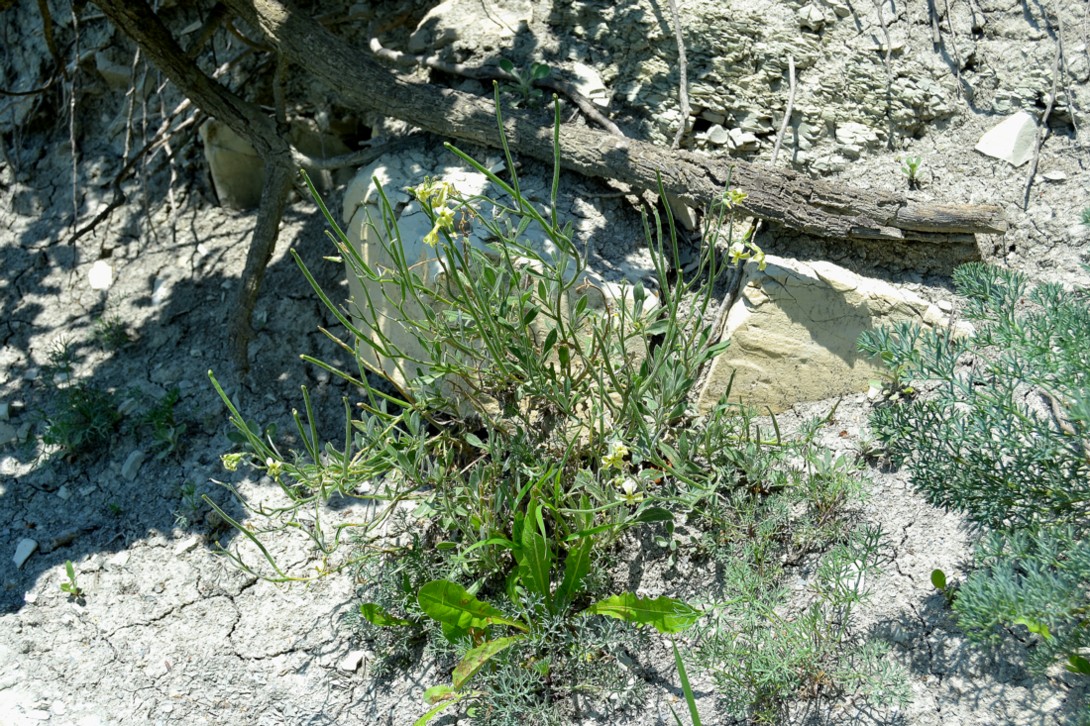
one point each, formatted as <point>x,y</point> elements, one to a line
<point>478,73</point>
<point>119,197</point>
<point>683,76</point>
<point>73,91</point>
<point>954,45</point>
<point>888,57</point>
<point>933,16</point>
<point>790,108</point>
<point>1042,131</point>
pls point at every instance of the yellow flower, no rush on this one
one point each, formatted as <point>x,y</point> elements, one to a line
<point>231,461</point>
<point>274,467</point>
<point>629,488</point>
<point>615,458</point>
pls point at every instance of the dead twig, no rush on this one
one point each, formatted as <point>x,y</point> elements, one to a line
<point>954,44</point>
<point>1042,131</point>
<point>683,76</point>
<point>478,73</point>
<point>790,108</point>
<point>119,197</point>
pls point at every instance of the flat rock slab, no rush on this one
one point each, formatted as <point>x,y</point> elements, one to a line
<point>794,333</point>
<point>1012,140</point>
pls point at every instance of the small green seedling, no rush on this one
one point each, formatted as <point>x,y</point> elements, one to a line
<point>1086,216</point>
<point>910,167</point>
<point>948,589</point>
<point>524,83</point>
<point>71,587</point>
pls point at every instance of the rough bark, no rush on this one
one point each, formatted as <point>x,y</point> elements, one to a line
<point>814,207</point>
<point>137,20</point>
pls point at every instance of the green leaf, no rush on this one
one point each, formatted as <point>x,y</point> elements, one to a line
<point>1035,627</point>
<point>938,579</point>
<point>475,659</point>
<point>1078,664</point>
<point>550,341</point>
<point>436,694</point>
<point>444,696</point>
<point>377,616</point>
<point>453,606</point>
<point>534,557</point>
<point>475,441</point>
<point>506,66</point>
<point>576,567</point>
<point>653,514</point>
<point>685,687</point>
<point>664,614</point>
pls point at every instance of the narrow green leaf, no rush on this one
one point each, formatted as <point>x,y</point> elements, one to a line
<point>685,687</point>
<point>475,659</point>
<point>436,694</point>
<point>534,557</point>
<point>550,341</point>
<point>475,441</point>
<point>447,702</point>
<point>452,605</point>
<point>664,614</point>
<point>377,616</point>
<point>576,567</point>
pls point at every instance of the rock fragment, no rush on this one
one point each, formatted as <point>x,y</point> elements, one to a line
<point>1012,140</point>
<point>132,465</point>
<point>23,551</point>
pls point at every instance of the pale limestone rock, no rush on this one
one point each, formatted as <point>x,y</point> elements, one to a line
<point>237,171</point>
<point>718,135</point>
<point>588,82</point>
<point>352,661</point>
<point>794,331</point>
<point>741,140</point>
<point>445,24</point>
<point>811,17</point>
<point>23,551</point>
<point>1012,140</point>
<point>132,465</point>
<point>101,275</point>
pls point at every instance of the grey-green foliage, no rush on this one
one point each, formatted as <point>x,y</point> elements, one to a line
<point>762,659</point>
<point>1038,579</point>
<point>1003,435</point>
<point>84,418</point>
<point>1000,433</point>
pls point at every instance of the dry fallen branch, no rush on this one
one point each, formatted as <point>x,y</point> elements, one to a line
<point>815,207</point>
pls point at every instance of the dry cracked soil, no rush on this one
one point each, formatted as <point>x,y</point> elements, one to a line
<point>164,631</point>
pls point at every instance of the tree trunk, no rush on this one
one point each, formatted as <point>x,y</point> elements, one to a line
<point>797,202</point>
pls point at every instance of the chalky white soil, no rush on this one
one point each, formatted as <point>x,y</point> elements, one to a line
<point>169,633</point>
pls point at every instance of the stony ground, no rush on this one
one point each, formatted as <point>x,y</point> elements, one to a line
<point>166,632</point>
